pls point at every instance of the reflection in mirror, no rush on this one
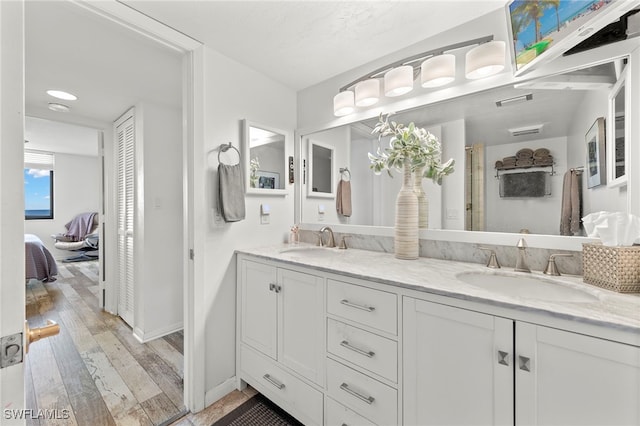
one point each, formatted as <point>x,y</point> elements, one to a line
<point>616,134</point>
<point>321,169</point>
<point>549,116</point>
<point>265,163</point>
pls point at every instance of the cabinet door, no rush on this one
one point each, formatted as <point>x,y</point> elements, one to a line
<point>259,307</point>
<point>565,378</point>
<point>301,323</point>
<point>457,366</point>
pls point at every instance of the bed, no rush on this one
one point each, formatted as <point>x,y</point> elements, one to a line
<point>39,262</point>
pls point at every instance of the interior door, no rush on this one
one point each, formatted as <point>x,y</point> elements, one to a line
<point>125,137</point>
<point>12,277</point>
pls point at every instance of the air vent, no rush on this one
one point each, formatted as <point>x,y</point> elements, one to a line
<point>529,130</point>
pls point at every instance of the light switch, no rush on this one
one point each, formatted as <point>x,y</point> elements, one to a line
<point>320,212</point>
<point>265,214</point>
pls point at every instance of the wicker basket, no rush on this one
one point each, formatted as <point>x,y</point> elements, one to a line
<point>613,268</point>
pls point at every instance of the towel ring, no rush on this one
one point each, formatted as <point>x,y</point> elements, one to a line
<point>225,147</point>
<point>345,170</point>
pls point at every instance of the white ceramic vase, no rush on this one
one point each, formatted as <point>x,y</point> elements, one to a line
<point>407,245</point>
<point>423,203</point>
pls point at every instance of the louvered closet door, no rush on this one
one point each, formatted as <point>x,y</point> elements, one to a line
<point>126,139</point>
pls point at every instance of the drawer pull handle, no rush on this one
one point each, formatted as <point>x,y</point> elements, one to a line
<point>368,399</point>
<point>353,305</point>
<point>368,354</point>
<point>273,381</point>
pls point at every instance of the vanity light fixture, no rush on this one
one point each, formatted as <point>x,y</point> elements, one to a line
<point>367,92</point>
<point>54,106</point>
<point>435,67</point>
<point>343,103</point>
<point>438,70</point>
<point>485,60</point>
<point>61,94</point>
<point>398,81</point>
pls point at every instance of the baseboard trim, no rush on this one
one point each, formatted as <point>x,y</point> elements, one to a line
<point>216,393</point>
<point>143,337</point>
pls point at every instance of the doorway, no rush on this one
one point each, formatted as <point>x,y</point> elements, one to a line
<point>70,55</point>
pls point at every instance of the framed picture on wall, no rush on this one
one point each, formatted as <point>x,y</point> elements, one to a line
<point>595,168</point>
<point>268,180</point>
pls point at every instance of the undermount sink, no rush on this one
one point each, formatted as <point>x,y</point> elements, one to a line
<point>527,287</point>
<point>311,251</point>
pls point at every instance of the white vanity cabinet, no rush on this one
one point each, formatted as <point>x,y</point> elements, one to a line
<point>339,348</point>
<point>465,367</point>
<point>281,327</point>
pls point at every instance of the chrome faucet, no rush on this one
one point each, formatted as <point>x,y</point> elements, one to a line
<point>331,242</point>
<point>493,260</point>
<point>521,262</point>
<point>551,268</point>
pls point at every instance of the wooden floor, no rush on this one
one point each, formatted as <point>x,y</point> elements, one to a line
<point>95,369</point>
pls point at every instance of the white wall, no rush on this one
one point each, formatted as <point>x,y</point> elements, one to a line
<point>540,215</point>
<point>453,204</point>
<point>76,189</point>
<point>600,197</point>
<point>235,92</point>
<point>158,245</point>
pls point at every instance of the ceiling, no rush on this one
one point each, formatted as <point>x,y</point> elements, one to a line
<point>302,43</point>
<point>298,43</point>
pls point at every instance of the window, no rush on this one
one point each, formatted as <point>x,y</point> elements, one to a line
<point>38,185</point>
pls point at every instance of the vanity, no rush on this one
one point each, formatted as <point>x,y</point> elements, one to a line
<point>356,337</point>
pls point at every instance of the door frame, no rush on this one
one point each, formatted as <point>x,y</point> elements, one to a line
<point>192,144</point>
<point>12,278</point>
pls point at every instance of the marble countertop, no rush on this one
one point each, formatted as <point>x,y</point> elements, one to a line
<point>443,277</point>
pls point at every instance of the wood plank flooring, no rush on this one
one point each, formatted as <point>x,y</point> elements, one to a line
<point>95,368</point>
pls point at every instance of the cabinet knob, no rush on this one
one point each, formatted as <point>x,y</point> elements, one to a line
<point>524,362</point>
<point>503,358</point>
<point>275,287</point>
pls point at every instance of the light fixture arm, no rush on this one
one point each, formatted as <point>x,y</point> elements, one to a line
<point>416,58</point>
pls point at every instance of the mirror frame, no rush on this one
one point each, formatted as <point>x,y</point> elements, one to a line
<point>621,86</point>
<point>246,157</point>
<point>309,180</point>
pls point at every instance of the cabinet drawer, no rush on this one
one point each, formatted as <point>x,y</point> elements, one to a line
<point>336,414</point>
<point>371,399</point>
<point>292,394</point>
<point>367,350</point>
<point>367,306</point>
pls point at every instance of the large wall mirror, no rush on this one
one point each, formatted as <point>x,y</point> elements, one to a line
<point>553,113</point>
<point>266,169</point>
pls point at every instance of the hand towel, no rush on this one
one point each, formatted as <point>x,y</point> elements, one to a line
<point>570,210</point>
<point>343,198</point>
<point>231,192</point>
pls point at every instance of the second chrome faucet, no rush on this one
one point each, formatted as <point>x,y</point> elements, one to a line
<point>521,261</point>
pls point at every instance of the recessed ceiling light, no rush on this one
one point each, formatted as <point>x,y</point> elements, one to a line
<point>62,95</point>
<point>58,107</point>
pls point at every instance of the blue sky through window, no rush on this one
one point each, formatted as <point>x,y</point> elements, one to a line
<point>37,192</point>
